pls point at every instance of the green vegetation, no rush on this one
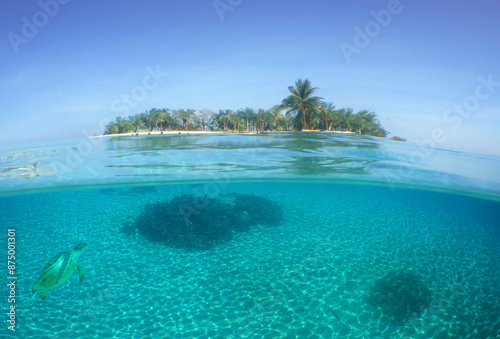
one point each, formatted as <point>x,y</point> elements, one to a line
<point>399,296</point>
<point>200,222</point>
<point>301,102</point>
<point>301,110</point>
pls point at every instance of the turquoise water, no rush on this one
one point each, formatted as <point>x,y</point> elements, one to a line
<point>353,208</point>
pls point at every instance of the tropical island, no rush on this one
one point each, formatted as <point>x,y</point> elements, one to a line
<point>300,111</point>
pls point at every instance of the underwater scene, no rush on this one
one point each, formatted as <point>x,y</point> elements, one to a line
<point>274,235</point>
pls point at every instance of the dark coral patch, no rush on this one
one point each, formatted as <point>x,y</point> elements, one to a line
<point>200,222</point>
<point>260,210</point>
<point>400,295</point>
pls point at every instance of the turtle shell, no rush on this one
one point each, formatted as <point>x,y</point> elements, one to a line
<point>50,274</point>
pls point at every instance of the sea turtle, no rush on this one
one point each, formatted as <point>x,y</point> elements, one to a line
<point>58,270</point>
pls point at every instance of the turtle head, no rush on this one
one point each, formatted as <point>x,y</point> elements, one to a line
<point>80,247</point>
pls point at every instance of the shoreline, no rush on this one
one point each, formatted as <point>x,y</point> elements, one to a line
<point>205,132</point>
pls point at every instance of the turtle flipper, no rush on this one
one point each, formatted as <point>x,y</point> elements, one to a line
<point>80,267</point>
<point>32,297</point>
<point>43,295</point>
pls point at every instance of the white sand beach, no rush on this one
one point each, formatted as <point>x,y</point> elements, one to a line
<point>204,132</point>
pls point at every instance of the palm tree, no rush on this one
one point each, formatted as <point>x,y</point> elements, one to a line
<point>239,123</point>
<point>264,118</point>
<point>123,125</point>
<point>276,113</point>
<point>248,115</point>
<point>224,117</point>
<point>327,110</point>
<point>345,118</point>
<point>301,100</point>
<point>366,122</point>
<point>184,115</point>
<point>111,128</point>
<point>218,119</point>
<point>156,117</point>
<point>136,121</point>
<point>163,116</point>
<point>260,119</point>
<point>288,122</point>
<point>147,117</point>
<point>269,118</point>
<point>361,121</point>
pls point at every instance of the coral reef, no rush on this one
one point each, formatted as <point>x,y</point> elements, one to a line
<point>200,222</point>
<point>400,295</point>
<point>259,210</point>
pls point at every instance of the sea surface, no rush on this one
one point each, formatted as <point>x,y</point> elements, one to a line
<point>353,210</point>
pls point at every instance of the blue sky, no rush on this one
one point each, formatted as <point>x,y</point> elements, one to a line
<point>67,65</point>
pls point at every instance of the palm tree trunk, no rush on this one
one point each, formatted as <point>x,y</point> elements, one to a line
<point>304,114</point>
